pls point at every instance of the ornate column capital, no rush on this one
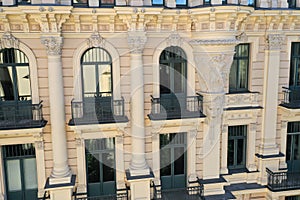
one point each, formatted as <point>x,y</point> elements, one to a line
<point>9,41</point>
<point>53,45</point>
<point>274,41</point>
<point>137,42</point>
<point>96,40</point>
<point>174,40</point>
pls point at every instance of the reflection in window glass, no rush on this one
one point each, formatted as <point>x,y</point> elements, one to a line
<point>30,174</point>
<point>13,175</point>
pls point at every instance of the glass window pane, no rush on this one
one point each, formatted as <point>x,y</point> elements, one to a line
<point>30,174</point>
<point>164,75</point>
<point>288,147</point>
<point>6,80</point>
<point>109,2</point>
<point>297,147</point>
<point>179,77</point>
<point>13,175</point>
<point>89,80</point>
<point>232,76</point>
<point>243,66</point>
<point>230,156</point>
<point>108,161</point>
<point>104,78</point>
<point>179,160</point>
<point>157,2</point>
<point>240,152</point>
<point>180,2</point>
<point>165,162</point>
<point>93,175</point>
<point>23,83</point>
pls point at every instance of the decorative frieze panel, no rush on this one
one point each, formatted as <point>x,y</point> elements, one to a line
<point>242,100</point>
<point>9,41</point>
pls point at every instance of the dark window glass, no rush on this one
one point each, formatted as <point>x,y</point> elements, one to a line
<point>93,168</point>
<point>295,65</point>
<point>238,77</point>
<point>165,162</point>
<point>236,156</point>
<point>179,162</point>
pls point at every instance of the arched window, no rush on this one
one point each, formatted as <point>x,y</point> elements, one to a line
<point>96,73</point>
<point>14,76</point>
<point>173,71</point>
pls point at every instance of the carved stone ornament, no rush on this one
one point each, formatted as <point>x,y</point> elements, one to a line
<point>96,40</point>
<point>9,41</point>
<point>274,41</point>
<point>174,40</point>
<point>79,142</point>
<point>137,44</point>
<point>39,145</point>
<point>53,44</point>
<point>214,42</point>
<point>242,37</point>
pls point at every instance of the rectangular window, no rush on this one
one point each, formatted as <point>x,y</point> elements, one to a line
<point>295,65</point>
<point>237,140</point>
<point>157,2</point>
<point>238,77</point>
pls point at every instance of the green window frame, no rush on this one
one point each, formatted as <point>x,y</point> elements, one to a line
<point>238,77</point>
<point>14,76</point>
<point>20,172</point>
<point>237,144</point>
<point>96,69</point>
<point>294,81</point>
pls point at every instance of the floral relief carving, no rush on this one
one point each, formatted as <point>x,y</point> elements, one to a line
<point>174,40</point>
<point>136,44</point>
<point>9,41</point>
<point>96,40</point>
<point>274,41</point>
<point>53,45</point>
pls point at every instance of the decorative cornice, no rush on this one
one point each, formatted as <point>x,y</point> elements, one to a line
<point>137,43</point>
<point>214,42</point>
<point>9,41</point>
<point>274,41</point>
<point>174,40</point>
<point>53,44</point>
<point>96,40</point>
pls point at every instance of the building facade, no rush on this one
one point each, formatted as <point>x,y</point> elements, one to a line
<point>139,100</point>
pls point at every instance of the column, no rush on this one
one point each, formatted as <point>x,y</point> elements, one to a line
<point>270,100</point>
<point>191,154</point>
<point>213,57</point>
<point>61,173</point>
<point>224,169</point>
<point>139,173</point>
<point>251,166</point>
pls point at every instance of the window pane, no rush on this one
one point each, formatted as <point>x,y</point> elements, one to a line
<point>13,175</point>
<point>179,77</point>
<point>104,78</point>
<point>180,2</point>
<point>165,162</point>
<point>230,156</point>
<point>288,147</point>
<point>23,83</point>
<point>179,160</point>
<point>93,175</point>
<point>30,174</point>
<point>89,80</point>
<point>240,152</point>
<point>109,2</point>
<point>6,80</point>
<point>164,75</point>
<point>108,161</point>
<point>243,65</point>
<point>297,147</point>
<point>157,2</point>
<point>233,76</point>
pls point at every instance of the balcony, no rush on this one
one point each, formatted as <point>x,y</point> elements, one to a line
<point>291,97</point>
<point>247,100</point>
<point>193,192</point>
<point>176,107</point>
<point>97,110</point>
<point>279,181</point>
<point>121,194</point>
<point>21,114</point>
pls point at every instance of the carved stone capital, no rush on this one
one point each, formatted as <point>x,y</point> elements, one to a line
<point>39,145</point>
<point>253,127</point>
<point>119,139</point>
<point>174,40</point>
<point>53,45</point>
<point>79,142</point>
<point>96,40</point>
<point>9,41</point>
<point>242,37</point>
<point>274,41</point>
<point>284,125</point>
<point>224,128</point>
<point>137,43</point>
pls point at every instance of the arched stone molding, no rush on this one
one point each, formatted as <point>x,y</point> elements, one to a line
<point>9,41</point>
<point>175,40</point>
<point>95,40</point>
<point>24,136</point>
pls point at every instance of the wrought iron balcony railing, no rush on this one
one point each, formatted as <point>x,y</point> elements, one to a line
<point>97,110</point>
<point>278,181</point>
<point>21,114</point>
<point>291,97</point>
<point>176,107</point>
<point>121,194</point>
